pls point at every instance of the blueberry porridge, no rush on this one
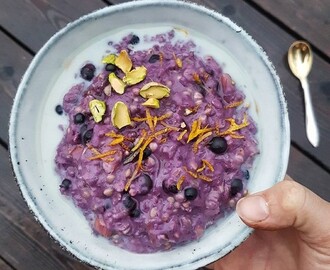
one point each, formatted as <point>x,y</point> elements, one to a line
<point>159,143</point>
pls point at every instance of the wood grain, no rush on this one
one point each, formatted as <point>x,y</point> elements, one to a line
<point>27,245</point>
<point>33,22</point>
<point>309,19</point>
<point>305,171</point>
<point>13,63</point>
<point>4,265</point>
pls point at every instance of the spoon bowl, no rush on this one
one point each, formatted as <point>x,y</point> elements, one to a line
<point>300,58</point>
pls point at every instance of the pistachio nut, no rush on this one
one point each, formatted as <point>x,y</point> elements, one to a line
<point>124,62</point>
<point>135,76</point>
<point>151,103</point>
<point>97,109</point>
<point>120,115</point>
<point>155,90</point>
<point>117,84</point>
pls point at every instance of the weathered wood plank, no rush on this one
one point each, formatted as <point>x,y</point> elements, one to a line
<point>4,265</point>
<point>13,63</point>
<point>304,171</point>
<point>34,22</point>
<point>309,19</point>
<point>23,242</point>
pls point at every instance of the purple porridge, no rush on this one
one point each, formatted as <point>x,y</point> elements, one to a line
<point>159,144</point>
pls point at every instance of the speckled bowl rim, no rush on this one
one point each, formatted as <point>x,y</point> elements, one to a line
<point>106,12</point>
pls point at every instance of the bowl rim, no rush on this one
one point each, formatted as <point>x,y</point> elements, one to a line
<point>107,11</point>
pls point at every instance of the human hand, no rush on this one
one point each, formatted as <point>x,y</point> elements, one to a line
<point>292,231</point>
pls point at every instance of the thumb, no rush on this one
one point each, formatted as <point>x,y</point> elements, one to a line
<point>287,204</point>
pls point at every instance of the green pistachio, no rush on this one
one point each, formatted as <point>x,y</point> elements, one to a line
<point>120,115</point>
<point>117,84</point>
<point>155,90</point>
<point>151,103</point>
<point>135,76</point>
<point>97,109</point>
<point>124,62</point>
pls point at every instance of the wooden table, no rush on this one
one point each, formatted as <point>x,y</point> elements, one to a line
<point>25,25</point>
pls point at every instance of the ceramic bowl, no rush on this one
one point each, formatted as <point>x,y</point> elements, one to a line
<point>34,132</point>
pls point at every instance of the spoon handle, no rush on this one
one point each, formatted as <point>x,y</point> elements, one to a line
<point>311,125</point>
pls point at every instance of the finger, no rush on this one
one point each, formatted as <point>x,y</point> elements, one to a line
<point>284,205</point>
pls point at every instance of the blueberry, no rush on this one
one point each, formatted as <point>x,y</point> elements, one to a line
<point>218,145</point>
<point>79,118</point>
<point>236,186</point>
<point>146,184</point>
<point>154,58</point>
<point>87,136</point>
<point>134,213</point>
<point>129,202</point>
<point>83,129</point>
<point>59,109</point>
<point>87,72</point>
<point>190,193</point>
<point>134,40</point>
<point>247,175</point>
<point>110,68</point>
<point>169,188</point>
<point>66,183</point>
<point>146,153</point>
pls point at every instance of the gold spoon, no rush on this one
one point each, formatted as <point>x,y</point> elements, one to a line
<point>300,60</point>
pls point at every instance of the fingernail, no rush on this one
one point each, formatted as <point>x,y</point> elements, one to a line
<point>252,208</point>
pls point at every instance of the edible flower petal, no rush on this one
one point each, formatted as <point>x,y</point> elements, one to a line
<point>109,59</point>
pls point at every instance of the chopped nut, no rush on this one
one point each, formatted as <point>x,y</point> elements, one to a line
<point>183,125</point>
<point>155,90</point>
<point>151,103</point>
<point>135,76</point>
<point>187,111</point>
<point>123,61</point>
<point>97,109</point>
<point>107,90</point>
<point>117,84</point>
<point>120,115</point>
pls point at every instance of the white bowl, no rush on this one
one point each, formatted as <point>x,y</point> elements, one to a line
<point>34,132</point>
